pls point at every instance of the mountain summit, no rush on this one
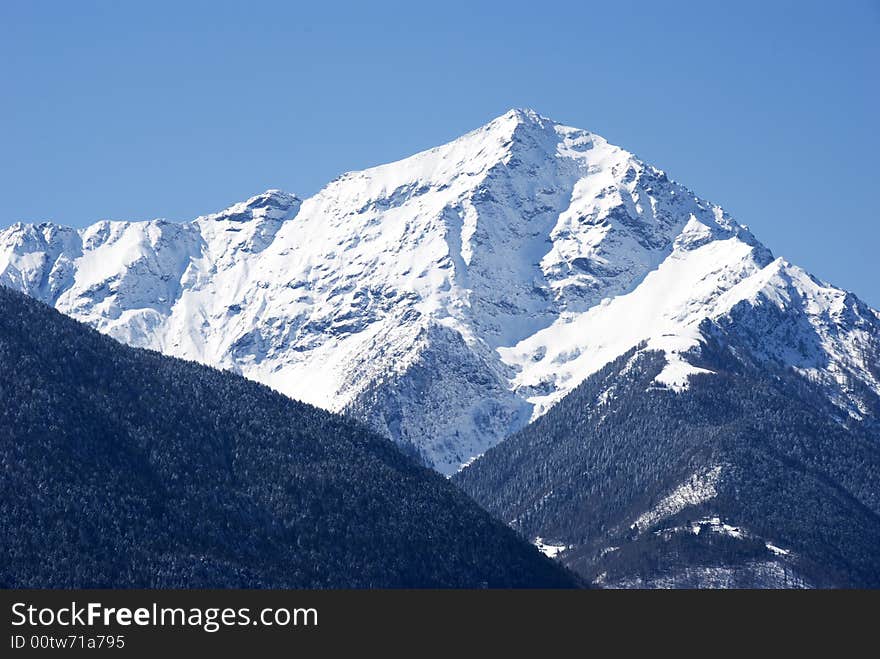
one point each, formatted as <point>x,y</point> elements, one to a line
<point>451,297</point>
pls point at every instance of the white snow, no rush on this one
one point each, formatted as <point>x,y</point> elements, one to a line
<point>777,550</point>
<point>698,488</point>
<point>665,310</point>
<point>549,549</point>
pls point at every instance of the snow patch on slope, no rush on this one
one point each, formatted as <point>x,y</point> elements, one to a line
<point>549,549</point>
<point>699,488</point>
<point>665,310</point>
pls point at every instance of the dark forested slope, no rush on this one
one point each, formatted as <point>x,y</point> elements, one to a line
<point>121,467</point>
<point>747,478</point>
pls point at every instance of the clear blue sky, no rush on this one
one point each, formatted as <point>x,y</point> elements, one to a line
<point>151,109</point>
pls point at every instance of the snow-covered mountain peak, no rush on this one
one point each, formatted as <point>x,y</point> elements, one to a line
<point>272,204</point>
<point>525,115</point>
<point>450,296</point>
<point>519,136</point>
